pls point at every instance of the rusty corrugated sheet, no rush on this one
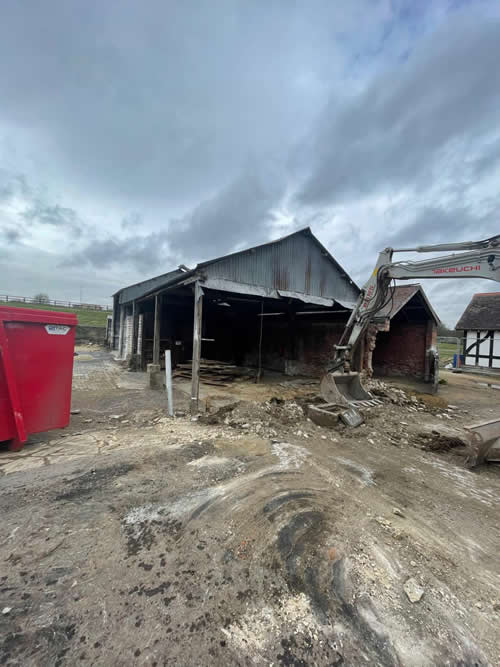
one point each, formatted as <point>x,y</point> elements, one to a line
<point>296,263</point>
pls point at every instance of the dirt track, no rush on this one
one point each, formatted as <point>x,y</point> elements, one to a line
<point>258,539</point>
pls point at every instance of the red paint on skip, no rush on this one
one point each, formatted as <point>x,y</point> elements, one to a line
<point>36,368</point>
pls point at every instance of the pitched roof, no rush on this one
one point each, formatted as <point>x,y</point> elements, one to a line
<point>138,290</point>
<point>305,231</point>
<point>483,312</point>
<point>146,287</point>
<point>401,295</point>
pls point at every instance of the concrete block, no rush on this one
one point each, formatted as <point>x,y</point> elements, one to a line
<point>326,415</point>
<point>156,376</point>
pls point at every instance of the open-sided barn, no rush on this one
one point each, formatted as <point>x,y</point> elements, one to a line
<point>280,306</point>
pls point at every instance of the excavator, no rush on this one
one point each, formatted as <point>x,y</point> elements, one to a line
<point>475,259</point>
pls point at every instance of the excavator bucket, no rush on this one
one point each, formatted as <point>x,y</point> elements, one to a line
<point>343,389</point>
<point>484,442</point>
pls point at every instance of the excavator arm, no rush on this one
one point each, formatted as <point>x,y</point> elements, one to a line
<point>482,261</point>
<point>478,259</point>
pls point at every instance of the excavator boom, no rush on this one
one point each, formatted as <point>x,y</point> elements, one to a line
<point>478,259</point>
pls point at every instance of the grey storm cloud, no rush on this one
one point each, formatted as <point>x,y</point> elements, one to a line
<point>240,214</point>
<point>12,235</point>
<point>164,101</point>
<point>436,224</point>
<point>131,221</point>
<point>36,210</point>
<point>55,215</point>
<point>150,135</point>
<point>12,185</point>
<point>442,105</point>
<point>143,252</point>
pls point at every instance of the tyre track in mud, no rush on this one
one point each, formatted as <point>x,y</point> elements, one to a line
<point>284,531</point>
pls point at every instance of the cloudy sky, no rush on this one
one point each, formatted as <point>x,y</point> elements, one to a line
<point>138,136</point>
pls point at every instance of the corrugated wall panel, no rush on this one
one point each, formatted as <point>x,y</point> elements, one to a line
<point>295,264</point>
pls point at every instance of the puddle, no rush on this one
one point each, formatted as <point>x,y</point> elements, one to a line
<point>489,385</point>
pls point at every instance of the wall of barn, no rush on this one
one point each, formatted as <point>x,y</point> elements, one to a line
<point>403,350</point>
<point>297,348</point>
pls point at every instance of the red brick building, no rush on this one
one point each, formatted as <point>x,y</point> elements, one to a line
<point>402,334</point>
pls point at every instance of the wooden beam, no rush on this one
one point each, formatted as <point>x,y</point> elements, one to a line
<point>261,326</point>
<point>156,333</point>
<point>195,368</point>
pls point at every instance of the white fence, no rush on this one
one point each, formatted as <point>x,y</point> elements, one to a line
<point>7,298</point>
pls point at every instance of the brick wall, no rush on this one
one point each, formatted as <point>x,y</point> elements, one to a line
<point>402,350</point>
<point>297,348</point>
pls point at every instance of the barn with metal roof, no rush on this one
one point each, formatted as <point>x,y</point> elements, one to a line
<point>278,307</point>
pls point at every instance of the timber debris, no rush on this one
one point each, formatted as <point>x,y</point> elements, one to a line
<point>218,373</point>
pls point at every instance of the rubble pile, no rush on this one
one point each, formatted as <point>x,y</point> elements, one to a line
<point>261,418</point>
<point>397,396</point>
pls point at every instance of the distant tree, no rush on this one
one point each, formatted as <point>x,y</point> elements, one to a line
<point>41,297</point>
<point>443,330</point>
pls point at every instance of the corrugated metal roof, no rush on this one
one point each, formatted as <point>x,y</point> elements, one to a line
<point>297,263</point>
<point>483,312</point>
<point>139,290</point>
<point>402,294</point>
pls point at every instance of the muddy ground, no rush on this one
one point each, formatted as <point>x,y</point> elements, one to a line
<point>252,536</point>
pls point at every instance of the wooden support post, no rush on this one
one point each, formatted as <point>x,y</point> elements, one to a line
<point>140,343</point>
<point>290,342</point>
<point>197,331</point>
<point>135,326</point>
<point>156,333</point>
<point>134,349</point>
<point>261,327</point>
<point>121,331</point>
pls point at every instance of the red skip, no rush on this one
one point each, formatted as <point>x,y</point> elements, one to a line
<point>36,369</point>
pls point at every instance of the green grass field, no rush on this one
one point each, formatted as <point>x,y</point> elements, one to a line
<point>446,352</point>
<point>90,318</point>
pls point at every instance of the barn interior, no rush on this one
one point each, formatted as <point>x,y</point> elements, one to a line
<point>264,334</point>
